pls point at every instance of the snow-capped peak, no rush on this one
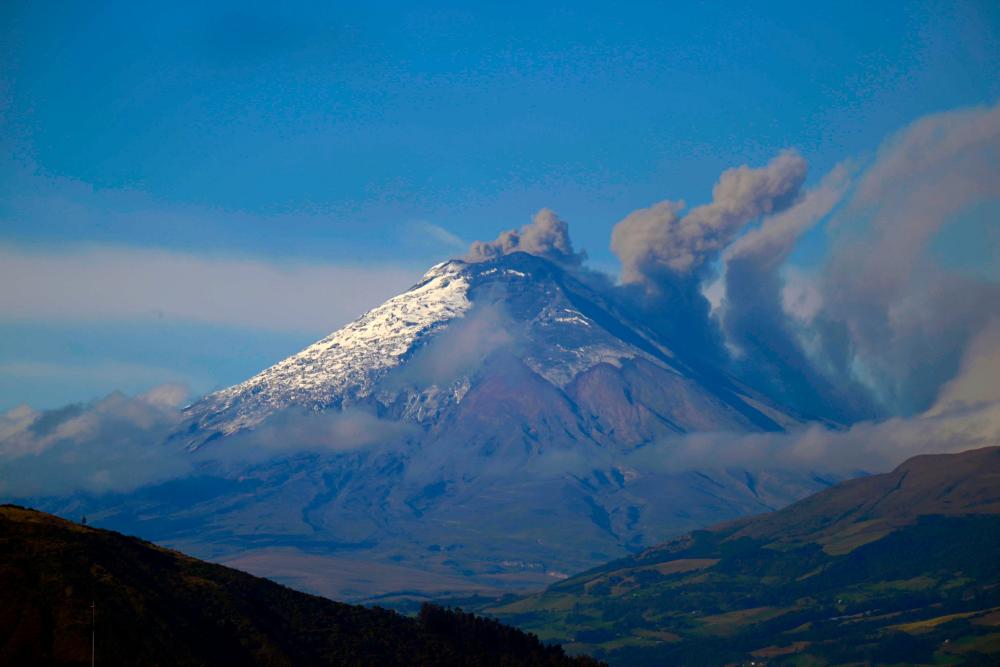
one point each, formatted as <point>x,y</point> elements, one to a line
<point>346,364</point>
<point>556,327</point>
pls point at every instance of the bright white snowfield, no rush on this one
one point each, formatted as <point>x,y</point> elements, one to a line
<point>347,363</point>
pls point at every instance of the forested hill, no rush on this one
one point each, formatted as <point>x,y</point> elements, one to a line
<point>160,607</point>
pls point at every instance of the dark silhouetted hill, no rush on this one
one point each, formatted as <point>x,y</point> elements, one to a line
<point>160,607</point>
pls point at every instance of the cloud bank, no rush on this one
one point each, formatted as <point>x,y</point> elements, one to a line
<point>113,444</point>
<point>112,283</point>
<point>120,443</point>
<point>870,446</point>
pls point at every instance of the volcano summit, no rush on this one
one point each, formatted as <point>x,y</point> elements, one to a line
<point>444,353</point>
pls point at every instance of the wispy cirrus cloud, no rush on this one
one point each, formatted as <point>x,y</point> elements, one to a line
<point>427,233</point>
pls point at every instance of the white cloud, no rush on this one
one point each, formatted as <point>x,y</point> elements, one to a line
<point>113,444</point>
<point>120,443</point>
<point>872,446</point>
<point>977,381</point>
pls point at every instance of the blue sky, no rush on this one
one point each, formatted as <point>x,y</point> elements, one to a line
<point>342,149</point>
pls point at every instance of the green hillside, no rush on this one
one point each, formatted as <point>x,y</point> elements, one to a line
<point>900,568</point>
<point>160,607</point>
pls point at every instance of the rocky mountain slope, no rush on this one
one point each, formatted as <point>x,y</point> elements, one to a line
<point>159,607</point>
<point>899,568</point>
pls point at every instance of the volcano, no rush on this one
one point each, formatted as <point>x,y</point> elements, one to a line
<point>499,425</point>
<point>518,340</point>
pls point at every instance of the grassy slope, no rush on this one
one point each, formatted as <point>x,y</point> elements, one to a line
<point>902,567</point>
<point>160,607</point>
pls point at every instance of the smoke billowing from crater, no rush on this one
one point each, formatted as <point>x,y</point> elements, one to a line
<point>546,236</point>
<point>655,242</point>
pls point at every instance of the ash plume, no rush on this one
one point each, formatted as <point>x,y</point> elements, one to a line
<point>656,242</point>
<point>547,235</point>
<point>878,329</point>
<point>895,316</point>
<point>665,255</point>
<point>763,337</point>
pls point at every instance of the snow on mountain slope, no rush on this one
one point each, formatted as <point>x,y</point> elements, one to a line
<point>348,362</point>
<point>535,315</point>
